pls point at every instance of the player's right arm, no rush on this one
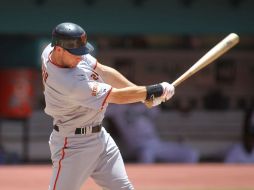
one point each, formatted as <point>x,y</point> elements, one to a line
<point>112,76</point>
<point>127,95</point>
<point>124,92</point>
<point>164,91</point>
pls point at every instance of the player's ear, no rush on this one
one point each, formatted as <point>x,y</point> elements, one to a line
<point>58,48</point>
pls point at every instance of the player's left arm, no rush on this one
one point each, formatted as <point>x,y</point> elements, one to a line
<point>112,76</point>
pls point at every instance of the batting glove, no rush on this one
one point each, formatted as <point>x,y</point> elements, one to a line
<point>152,103</point>
<point>156,101</point>
<point>168,91</point>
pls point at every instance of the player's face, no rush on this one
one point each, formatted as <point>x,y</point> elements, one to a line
<point>70,60</point>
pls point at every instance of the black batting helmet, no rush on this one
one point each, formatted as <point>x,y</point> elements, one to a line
<point>71,37</point>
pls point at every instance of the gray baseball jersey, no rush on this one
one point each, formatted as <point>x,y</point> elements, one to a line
<point>76,98</point>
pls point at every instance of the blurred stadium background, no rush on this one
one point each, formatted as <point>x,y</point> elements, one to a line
<point>158,40</point>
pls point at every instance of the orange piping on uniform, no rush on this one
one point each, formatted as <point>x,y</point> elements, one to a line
<point>106,98</point>
<point>60,162</point>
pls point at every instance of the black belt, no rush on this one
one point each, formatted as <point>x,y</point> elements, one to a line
<point>84,130</point>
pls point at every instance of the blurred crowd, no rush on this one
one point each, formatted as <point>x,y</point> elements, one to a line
<point>134,129</point>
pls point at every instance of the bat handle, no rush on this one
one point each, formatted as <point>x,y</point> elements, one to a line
<point>179,80</point>
<point>175,83</point>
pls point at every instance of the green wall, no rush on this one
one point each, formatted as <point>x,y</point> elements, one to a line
<point>123,17</point>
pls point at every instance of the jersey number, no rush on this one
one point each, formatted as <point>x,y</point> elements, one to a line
<point>44,75</point>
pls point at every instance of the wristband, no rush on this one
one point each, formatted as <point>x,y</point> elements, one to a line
<point>153,91</point>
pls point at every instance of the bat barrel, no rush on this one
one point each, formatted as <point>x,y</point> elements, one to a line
<point>222,47</point>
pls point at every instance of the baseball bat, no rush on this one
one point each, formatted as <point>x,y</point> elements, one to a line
<point>219,49</point>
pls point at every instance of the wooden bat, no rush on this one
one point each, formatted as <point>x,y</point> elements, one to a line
<point>222,47</point>
<point>219,49</point>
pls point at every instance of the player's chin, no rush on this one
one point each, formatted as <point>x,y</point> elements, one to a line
<point>72,65</point>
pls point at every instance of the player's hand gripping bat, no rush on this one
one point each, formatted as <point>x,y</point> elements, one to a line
<point>219,49</point>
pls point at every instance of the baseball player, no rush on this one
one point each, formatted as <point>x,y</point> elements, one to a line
<point>77,90</point>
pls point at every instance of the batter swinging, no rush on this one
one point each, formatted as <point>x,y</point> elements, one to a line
<point>77,90</point>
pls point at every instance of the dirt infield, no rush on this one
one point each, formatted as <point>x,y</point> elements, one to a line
<point>144,177</point>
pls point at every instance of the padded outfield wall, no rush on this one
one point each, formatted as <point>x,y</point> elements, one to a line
<point>128,17</point>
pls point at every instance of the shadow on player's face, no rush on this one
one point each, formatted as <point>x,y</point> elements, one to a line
<point>70,60</point>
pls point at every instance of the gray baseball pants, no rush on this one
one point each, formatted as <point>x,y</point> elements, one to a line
<point>77,157</point>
